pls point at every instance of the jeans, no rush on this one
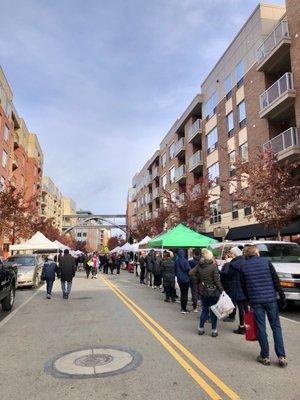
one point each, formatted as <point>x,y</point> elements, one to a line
<point>66,287</point>
<point>184,290</point>
<point>260,311</point>
<point>49,286</point>
<point>149,277</point>
<point>207,302</point>
<point>194,290</point>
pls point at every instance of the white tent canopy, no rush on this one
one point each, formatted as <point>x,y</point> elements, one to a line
<point>126,247</point>
<point>144,241</point>
<point>115,250</point>
<point>61,245</point>
<point>37,242</point>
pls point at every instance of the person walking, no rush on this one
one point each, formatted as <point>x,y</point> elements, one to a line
<point>111,264</point>
<point>50,269</point>
<point>95,266</point>
<point>143,268</point>
<point>182,272</point>
<point>210,287</point>
<point>261,284</point>
<point>168,273</point>
<point>67,273</point>
<point>157,272</point>
<point>118,263</point>
<point>88,266</point>
<point>150,261</point>
<point>193,282</point>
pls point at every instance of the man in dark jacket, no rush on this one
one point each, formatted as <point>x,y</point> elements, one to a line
<point>50,269</point>
<point>67,273</point>
<point>182,272</point>
<point>193,282</point>
<point>261,285</point>
<point>143,268</point>
<point>150,261</point>
<point>168,273</point>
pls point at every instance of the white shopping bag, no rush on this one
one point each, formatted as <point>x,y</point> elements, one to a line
<point>223,307</point>
<point>176,283</point>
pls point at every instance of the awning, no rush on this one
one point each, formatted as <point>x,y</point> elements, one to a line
<point>260,231</point>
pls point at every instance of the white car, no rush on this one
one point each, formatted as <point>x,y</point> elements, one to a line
<point>285,256</point>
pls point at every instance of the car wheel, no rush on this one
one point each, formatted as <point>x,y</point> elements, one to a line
<point>9,300</point>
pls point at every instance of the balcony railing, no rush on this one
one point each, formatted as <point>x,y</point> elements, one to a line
<point>286,139</point>
<point>180,172</point>
<point>274,92</point>
<point>195,160</point>
<point>279,33</point>
<point>194,129</point>
<point>179,146</point>
<point>155,193</point>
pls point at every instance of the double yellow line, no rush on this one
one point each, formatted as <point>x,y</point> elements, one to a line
<point>150,323</point>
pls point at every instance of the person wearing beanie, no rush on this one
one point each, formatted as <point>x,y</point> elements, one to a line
<point>207,275</point>
<point>50,269</point>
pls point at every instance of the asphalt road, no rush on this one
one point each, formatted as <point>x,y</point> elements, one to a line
<point>117,311</point>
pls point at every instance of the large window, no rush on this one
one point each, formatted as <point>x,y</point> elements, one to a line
<point>228,86</point>
<point>240,73</point>
<point>242,114</point>
<point>164,159</point>
<point>230,124</point>
<point>214,172</point>
<point>4,159</point>
<point>244,152</point>
<point>215,212</point>
<point>164,181</point>
<point>212,140</point>
<point>172,174</point>
<point>234,208</point>
<point>232,169</point>
<point>6,133</point>
<point>172,150</point>
<point>210,106</point>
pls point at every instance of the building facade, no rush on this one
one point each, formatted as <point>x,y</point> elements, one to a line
<point>249,101</point>
<point>51,202</point>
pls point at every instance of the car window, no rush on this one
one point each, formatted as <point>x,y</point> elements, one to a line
<point>24,261</point>
<point>280,252</point>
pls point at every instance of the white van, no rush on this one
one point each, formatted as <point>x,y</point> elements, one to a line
<point>285,256</point>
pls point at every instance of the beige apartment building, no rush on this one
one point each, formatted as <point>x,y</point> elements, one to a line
<point>250,100</point>
<point>51,202</point>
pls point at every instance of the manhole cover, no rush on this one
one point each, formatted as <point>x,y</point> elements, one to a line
<point>93,363</point>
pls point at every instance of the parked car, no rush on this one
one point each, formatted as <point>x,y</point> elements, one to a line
<point>29,269</point>
<point>8,281</point>
<point>285,256</point>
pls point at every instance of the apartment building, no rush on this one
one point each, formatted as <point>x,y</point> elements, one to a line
<point>250,100</point>
<point>51,202</point>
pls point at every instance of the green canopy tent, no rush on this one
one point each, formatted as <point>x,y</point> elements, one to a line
<point>181,236</point>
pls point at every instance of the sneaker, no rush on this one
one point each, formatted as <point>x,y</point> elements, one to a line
<point>183,312</point>
<point>214,334</point>
<point>240,330</point>
<point>201,331</point>
<point>48,296</point>
<point>264,361</point>
<point>282,362</point>
<point>167,300</point>
<point>195,310</point>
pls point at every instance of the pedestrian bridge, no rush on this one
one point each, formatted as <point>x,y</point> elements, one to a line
<point>91,221</point>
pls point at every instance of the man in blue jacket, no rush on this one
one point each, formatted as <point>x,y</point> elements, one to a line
<point>261,285</point>
<point>50,269</point>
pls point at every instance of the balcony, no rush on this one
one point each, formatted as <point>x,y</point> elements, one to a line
<point>148,198</point>
<point>285,145</point>
<point>14,163</point>
<point>180,173</point>
<point>277,101</point>
<point>155,193</point>
<point>195,161</point>
<point>147,180</point>
<point>272,55</point>
<point>155,173</point>
<point>195,130</point>
<point>179,147</point>
<point>16,140</point>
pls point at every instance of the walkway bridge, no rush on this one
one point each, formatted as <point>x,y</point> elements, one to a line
<point>91,221</point>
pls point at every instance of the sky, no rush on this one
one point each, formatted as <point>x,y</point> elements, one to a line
<point>101,82</point>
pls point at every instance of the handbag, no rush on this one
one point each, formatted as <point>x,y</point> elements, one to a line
<point>210,290</point>
<point>223,307</point>
<point>250,326</point>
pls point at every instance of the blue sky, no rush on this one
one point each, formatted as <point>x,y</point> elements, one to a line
<point>101,82</point>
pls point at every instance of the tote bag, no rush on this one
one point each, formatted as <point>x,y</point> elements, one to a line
<point>250,326</point>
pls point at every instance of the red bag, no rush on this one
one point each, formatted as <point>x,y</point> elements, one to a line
<point>250,326</point>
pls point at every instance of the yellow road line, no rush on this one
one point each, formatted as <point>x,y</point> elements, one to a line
<point>194,374</point>
<point>227,390</point>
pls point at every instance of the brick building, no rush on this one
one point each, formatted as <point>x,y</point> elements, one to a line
<point>250,100</point>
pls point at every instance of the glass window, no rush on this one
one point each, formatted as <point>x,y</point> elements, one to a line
<point>280,252</point>
<point>6,133</point>
<point>172,150</point>
<point>210,105</point>
<point>4,159</point>
<point>231,156</point>
<point>228,85</point>
<point>84,234</point>
<point>164,159</point>
<point>230,124</point>
<point>164,181</point>
<point>172,174</point>
<point>24,261</point>
<point>234,208</point>
<point>79,234</point>
<point>215,211</point>
<point>212,140</point>
<point>244,152</point>
<point>1,183</point>
<point>242,114</point>
<point>239,73</point>
<point>213,172</point>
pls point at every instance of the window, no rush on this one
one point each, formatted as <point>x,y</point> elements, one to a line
<point>172,174</point>
<point>79,234</point>
<point>242,114</point>
<point>84,234</point>
<point>234,208</point>
<point>247,210</point>
<point>232,169</point>
<point>172,150</point>
<point>164,181</point>
<point>228,86</point>
<point>173,196</point>
<point>164,159</point>
<point>212,140</point>
<point>213,172</point>
<point>240,74</point>
<point>6,133</point>
<point>215,212</point>
<point>230,124</point>
<point>1,183</point>
<point>210,105</point>
<point>244,152</point>
<point>4,159</point>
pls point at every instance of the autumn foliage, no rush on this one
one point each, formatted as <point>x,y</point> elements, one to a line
<point>114,242</point>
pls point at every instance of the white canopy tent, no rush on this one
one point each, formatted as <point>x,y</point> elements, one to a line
<point>143,243</point>
<point>61,245</point>
<point>115,250</point>
<point>126,247</point>
<point>37,242</point>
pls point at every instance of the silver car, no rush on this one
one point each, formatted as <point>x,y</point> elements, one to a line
<point>29,269</point>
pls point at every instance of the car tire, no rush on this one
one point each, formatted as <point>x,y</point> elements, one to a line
<point>8,302</point>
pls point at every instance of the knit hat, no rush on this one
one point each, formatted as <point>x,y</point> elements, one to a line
<point>236,251</point>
